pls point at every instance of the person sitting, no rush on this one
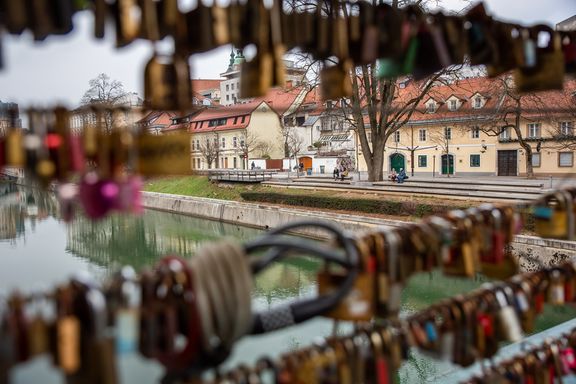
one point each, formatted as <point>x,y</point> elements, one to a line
<point>401,176</point>
<point>336,173</point>
<point>393,175</point>
<point>343,174</point>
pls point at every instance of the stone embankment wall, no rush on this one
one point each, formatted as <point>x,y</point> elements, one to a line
<point>530,250</point>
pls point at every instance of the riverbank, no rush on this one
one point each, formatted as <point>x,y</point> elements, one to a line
<point>266,216</point>
<point>345,202</point>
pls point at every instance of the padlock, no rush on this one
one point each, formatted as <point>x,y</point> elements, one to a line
<point>335,82</point>
<point>358,305</point>
<point>167,83</point>
<point>98,361</point>
<point>555,288</point>
<point>256,76</point>
<point>507,319</point>
<point>553,216</point>
<point>547,71</point>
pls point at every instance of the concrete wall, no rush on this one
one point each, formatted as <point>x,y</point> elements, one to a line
<point>265,216</point>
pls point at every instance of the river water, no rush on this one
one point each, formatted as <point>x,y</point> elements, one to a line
<point>38,251</point>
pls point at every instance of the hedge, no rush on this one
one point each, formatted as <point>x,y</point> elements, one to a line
<point>396,208</point>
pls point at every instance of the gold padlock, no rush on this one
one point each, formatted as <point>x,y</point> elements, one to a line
<point>554,216</point>
<point>548,70</point>
<point>335,82</point>
<point>167,83</point>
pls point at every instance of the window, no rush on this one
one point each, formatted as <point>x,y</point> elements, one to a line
<point>193,146</point>
<point>475,132</point>
<point>198,163</point>
<point>474,161</point>
<point>535,159</point>
<point>422,161</point>
<point>567,128</point>
<point>227,88</point>
<point>565,159</point>
<point>235,162</point>
<point>232,86</point>
<point>533,130</point>
<point>300,120</point>
<point>448,133</point>
<point>243,118</point>
<point>215,142</point>
<point>234,142</point>
<point>477,102</point>
<point>242,142</point>
<point>431,107</point>
<point>453,105</point>
<point>213,123</point>
<point>397,136</point>
<point>235,120</point>
<point>198,144</point>
<point>223,142</point>
<point>422,135</point>
<point>505,133</point>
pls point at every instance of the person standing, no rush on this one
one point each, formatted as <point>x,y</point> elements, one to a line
<point>253,165</point>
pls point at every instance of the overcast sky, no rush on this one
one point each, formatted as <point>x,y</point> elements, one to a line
<point>58,69</point>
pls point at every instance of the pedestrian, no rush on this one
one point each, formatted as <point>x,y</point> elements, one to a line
<point>343,174</point>
<point>301,167</point>
<point>253,165</point>
<point>401,176</point>
<point>336,173</point>
<point>393,175</point>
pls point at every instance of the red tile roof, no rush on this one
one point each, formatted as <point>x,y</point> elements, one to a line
<point>199,85</point>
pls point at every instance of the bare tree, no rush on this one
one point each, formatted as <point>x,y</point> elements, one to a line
<point>105,94</point>
<point>375,110</point>
<point>210,149</point>
<point>292,143</point>
<point>511,110</point>
<point>250,143</point>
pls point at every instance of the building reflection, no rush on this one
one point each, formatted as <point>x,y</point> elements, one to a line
<point>18,205</point>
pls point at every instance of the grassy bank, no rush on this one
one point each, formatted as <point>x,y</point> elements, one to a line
<point>350,202</point>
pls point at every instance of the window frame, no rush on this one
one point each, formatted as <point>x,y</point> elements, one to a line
<point>571,159</point>
<point>223,142</point>
<point>422,133</point>
<point>472,163</point>
<point>477,102</point>
<point>539,160</point>
<point>397,136</point>
<point>568,126</point>
<point>475,132</point>
<point>447,133</point>
<point>423,164</point>
<point>532,126</point>
<point>452,105</point>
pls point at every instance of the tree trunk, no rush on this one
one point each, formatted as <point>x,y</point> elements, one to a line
<point>528,151</point>
<point>375,162</point>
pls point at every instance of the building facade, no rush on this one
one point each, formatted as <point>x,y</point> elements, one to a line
<point>467,128</point>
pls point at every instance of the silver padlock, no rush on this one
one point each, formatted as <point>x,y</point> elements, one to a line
<point>507,318</point>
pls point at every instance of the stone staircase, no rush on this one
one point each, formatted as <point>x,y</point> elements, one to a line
<point>453,188</point>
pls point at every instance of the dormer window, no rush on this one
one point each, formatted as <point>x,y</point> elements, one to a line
<point>453,105</point>
<point>477,102</point>
<point>431,107</point>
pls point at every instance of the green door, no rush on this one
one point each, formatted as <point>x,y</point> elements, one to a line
<point>396,162</point>
<point>447,164</point>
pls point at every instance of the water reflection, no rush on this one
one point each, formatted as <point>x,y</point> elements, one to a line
<point>37,247</point>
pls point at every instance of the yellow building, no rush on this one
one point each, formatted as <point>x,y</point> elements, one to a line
<point>465,129</point>
<point>229,137</point>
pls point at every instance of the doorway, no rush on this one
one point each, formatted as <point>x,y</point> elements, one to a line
<point>307,161</point>
<point>447,164</point>
<point>397,161</point>
<point>508,163</point>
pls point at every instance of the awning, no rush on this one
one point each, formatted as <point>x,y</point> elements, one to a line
<point>310,120</point>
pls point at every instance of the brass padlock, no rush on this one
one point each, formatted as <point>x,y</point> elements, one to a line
<point>548,71</point>
<point>554,216</point>
<point>167,83</point>
<point>358,305</point>
<point>335,82</point>
<point>256,75</point>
